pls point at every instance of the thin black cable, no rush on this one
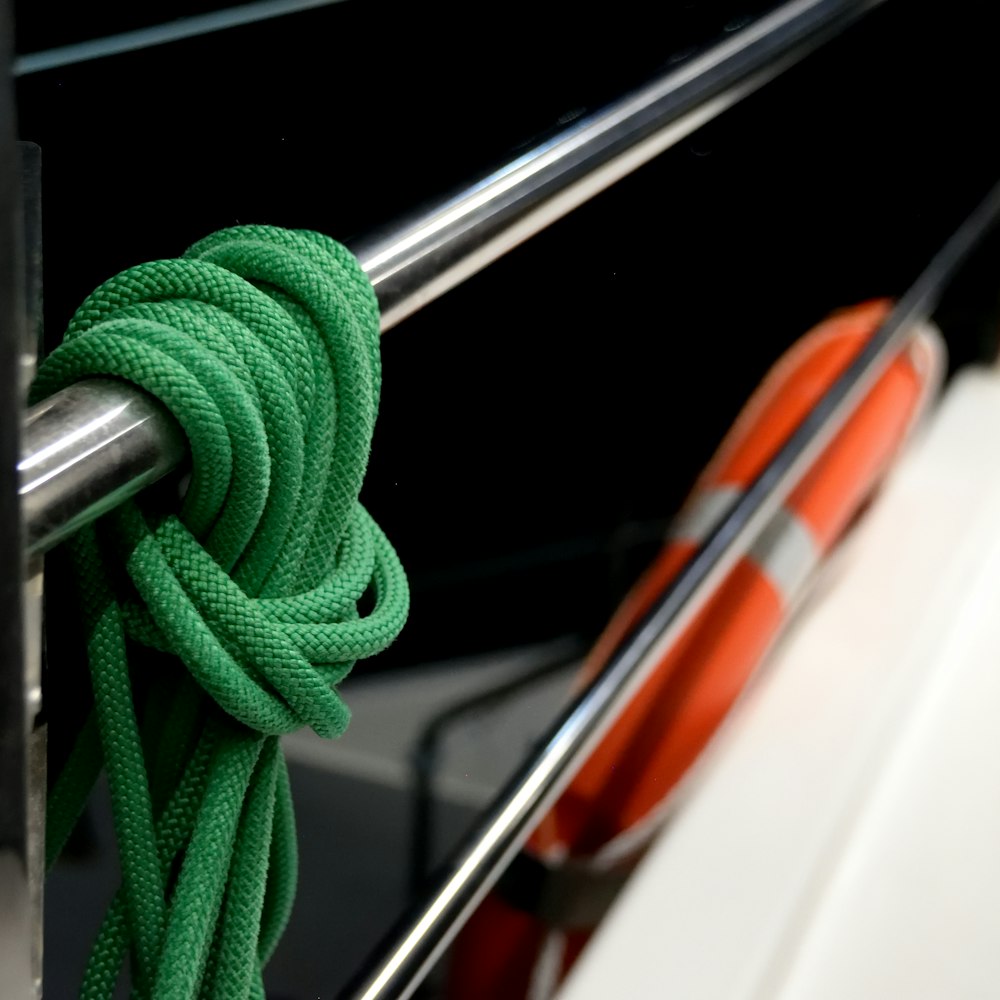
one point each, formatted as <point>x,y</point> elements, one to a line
<point>424,758</point>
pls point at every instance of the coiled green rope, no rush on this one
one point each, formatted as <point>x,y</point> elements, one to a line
<point>264,344</point>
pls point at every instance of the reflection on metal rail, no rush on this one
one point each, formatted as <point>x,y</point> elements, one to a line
<point>85,453</point>
<point>424,935</point>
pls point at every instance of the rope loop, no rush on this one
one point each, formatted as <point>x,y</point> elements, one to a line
<point>264,345</point>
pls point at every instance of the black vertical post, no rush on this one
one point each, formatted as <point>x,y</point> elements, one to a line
<point>19,924</point>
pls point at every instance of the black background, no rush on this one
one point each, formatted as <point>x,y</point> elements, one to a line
<point>540,424</point>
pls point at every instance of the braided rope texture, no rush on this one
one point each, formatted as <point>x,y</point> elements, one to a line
<point>212,631</point>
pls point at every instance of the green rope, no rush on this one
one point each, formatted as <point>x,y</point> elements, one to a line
<point>264,344</point>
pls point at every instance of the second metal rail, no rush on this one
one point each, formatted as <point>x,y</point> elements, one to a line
<point>424,934</point>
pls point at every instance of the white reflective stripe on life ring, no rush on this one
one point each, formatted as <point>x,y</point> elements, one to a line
<point>786,551</point>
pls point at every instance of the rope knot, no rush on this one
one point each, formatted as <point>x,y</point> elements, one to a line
<point>264,344</point>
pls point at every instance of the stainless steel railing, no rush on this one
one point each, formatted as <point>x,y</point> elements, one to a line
<point>87,449</point>
<point>425,933</point>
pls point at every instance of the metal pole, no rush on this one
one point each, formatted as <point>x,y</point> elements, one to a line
<point>423,936</point>
<point>84,455</point>
<point>22,780</point>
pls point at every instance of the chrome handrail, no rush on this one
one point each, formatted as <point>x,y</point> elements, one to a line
<point>86,451</point>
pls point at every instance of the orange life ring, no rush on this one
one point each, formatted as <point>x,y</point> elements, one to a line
<point>523,939</point>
